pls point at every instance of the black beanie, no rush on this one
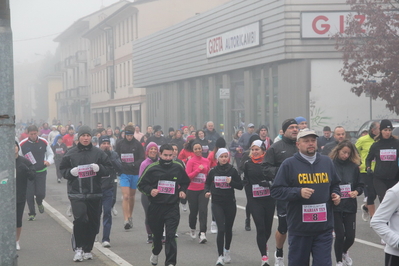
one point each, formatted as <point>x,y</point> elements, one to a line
<point>157,128</point>
<point>287,123</point>
<point>84,130</point>
<point>252,139</point>
<point>171,129</point>
<point>220,143</point>
<point>385,123</point>
<point>104,139</point>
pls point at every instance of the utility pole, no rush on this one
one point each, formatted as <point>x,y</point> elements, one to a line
<point>8,254</point>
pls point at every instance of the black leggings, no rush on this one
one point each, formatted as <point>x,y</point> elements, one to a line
<point>198,206</point>
<point>391,260</point>
<point>382,185</point>
<point>369,189</point>
<point>262,212</point>
<point>225,214</point>
<point>248,194</point>
<point>345,231</point>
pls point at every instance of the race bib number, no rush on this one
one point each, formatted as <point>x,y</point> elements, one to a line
<point>127,157</point>
<point>314,213</point>
<point>85,171</point>
<point>345,189</point>
<point>259,191</point>
<point>205,149</point>
<point>30,157</point>
<point>59,151</point>
<point>388,155</point>
<point>220,182</point>
<point>199,179</point>
<point>166,187</point>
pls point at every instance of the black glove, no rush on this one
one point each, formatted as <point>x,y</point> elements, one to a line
<point>264,183</point>
<point>369,171</point>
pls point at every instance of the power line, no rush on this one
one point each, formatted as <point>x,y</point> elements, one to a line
<point>41,37</point>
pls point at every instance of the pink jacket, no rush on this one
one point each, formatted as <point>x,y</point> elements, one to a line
<point>196,175</point>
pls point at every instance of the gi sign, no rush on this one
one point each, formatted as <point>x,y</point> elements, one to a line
<point>235,40</point>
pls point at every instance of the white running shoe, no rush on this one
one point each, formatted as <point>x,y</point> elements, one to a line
<point>365,213</point>
<point>18,246</point>
<point>192,233</point>
<point>78,255</point>
<point>88,256</point>
<point>114,211</point>
<point>220,261</point>
<point>106,244</point>
<point>184,207</point>
<point>339,263</point>
<point>202,238</point>
<point>278,261</point>
<point>346,259</point>
<point>365,200</point>
<point>226,255</point>
<point>265,261</point>
<point>154,259</point>
<point>214,227</point>
<point>69,211</point>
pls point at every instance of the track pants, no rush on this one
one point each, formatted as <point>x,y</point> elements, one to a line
<point>36,187</point>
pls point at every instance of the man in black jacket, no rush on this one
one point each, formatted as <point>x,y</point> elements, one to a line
<point>164,182</point>
<point>274,157</point>
<point>84,166</point>
<point>339,136</point>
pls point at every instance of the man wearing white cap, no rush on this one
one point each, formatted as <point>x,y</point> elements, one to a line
<point>309,183</point>
<point>244,139</point>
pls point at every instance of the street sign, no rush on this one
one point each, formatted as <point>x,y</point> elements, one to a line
<point>224,94</point>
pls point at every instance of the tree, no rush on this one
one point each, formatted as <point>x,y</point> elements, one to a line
<point>371,50</point>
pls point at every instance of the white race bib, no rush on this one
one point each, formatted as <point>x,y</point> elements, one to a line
<point>30,157</point>
<point>220,182</point>
<point>388,155</point>
<point>199,179</point>
<point>127,157</point>
<point>166,187</point>
<point>345,189</point>
<point>85,171</point>
<point>314,213</point>
<point>259,191</point>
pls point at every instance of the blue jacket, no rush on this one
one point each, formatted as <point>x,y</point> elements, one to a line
<point>296,173</point>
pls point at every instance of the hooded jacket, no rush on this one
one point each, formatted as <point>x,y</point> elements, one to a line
<point>126,149</point>
<point>80,155</point>
<point>296,173</point>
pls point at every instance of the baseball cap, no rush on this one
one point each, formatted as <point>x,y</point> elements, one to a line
<point>251,125</point>
<point>306,132</point>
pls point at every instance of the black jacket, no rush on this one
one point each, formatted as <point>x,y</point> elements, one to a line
<point>24,171</point>
<point>108,182</point>
<point>386,166</point>
<point>223,194</point>
<point>89,187</point>
<point>173,173</point>
<point>349,174</point>
<point>276,155</point>
<point>254,175</point>
<point>329,147</point>
<point>130,147</point>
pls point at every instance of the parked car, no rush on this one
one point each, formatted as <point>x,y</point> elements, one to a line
<point>366,126</point>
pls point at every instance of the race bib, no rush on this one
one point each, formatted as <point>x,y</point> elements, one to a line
<point>345,189</point>
<point>314,213</point>
<point>259,191</point>
<point>127,157</point>
<point>388,155</point>
<point>205,149</point>
<point>199,179</point>
<point>59,151</point>
<point>85,171</point>
<point>166,187</point>
<point>30,157</point>
<point>220,182</point>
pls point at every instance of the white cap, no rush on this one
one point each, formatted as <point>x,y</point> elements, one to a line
<point>306,132</point>
<point>220,152</point>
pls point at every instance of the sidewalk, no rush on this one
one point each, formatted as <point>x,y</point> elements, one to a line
<point>45,241</point>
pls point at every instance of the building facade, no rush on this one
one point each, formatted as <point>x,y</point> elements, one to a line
<point>251,61</point>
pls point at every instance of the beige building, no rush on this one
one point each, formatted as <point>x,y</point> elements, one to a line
<point>109,96</point>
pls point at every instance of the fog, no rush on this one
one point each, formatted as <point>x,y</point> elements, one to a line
<point>36,23</point>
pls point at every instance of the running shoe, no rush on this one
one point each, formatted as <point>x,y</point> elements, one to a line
<point>202,238</point>
<point>114,211</point>
<point>78,255</point>
<point>339,263</point>
<point>31,217</point>
<point>126,225</point>
<point>220,261</point>
<point>265,261</point>
<point>192,233</point>
<point>365,200</point>
<point>41,208</point>
<point>365,212</point>
<point>346,259</point>
<point>226,255</point>
<point>106,244</point>
<point>69,211</point>
<point>214,227</point>
<point>87,256</point>
<point>184,207</point>
<point>18,246</point>
<point>58,180</point>
<point>248,224</point>
<point>130,222</point>
<point>154,259</point>
<point>150,239</point>
<point>278,261</point>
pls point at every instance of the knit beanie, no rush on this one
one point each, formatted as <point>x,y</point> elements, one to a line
<point>171,129</point>
<point>157,128</point>
<point>220,152</point>
<point>385,123</point>
<point>84,130</point>
<point>300,119</point>
<point>104,139</point>
<point>220,143</point>
<point>288,122</point>
<point>150,145</point>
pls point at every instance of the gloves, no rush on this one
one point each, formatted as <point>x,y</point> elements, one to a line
<point>95,167</point>
<point>369,171</point>
<point>74,171</point>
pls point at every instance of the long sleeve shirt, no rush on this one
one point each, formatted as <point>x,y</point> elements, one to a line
<point>197,175</point>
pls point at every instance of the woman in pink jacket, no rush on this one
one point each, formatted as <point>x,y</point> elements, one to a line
<point>197,170</point>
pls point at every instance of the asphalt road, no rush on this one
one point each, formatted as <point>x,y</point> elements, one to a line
<point>46,241</point>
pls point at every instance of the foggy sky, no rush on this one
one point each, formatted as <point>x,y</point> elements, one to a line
<point>32,20</point>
